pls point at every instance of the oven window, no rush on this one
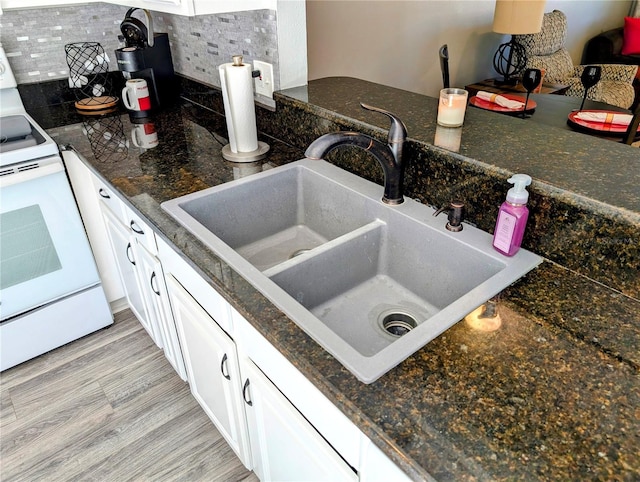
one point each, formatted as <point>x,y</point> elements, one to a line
<point>26,248</point>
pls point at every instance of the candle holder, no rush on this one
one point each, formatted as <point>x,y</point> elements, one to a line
<point>452,107</point>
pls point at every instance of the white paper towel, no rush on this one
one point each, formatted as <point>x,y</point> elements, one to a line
<point>237,93</point>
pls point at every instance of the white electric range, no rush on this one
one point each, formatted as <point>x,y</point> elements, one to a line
<point>50,291</point>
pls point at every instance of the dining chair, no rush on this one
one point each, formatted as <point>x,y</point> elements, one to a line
<point>632,130</point>
<point>546,50</point>
<point>444,65</point>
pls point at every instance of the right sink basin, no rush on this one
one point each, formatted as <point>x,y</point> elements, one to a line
<point>371,283</point>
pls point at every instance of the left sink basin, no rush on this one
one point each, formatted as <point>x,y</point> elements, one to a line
<point>371,283</point>
<point>269,219</point>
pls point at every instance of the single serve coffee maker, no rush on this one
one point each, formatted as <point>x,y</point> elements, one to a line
<point>146,56</point>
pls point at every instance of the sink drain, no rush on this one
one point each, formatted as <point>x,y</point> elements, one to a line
<point>398,323</point>
<point>299,252</point>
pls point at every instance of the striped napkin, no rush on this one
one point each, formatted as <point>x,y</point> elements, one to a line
<point>500,100</point>
<point>605,118</point>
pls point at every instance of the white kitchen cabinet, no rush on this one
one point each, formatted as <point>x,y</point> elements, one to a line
<point>198,7</point>
<point>83,189</point>
<point>285,446</point>
<point>278,422</point>
<point>159,308</point>
<point>9,4</point>
<point>126,253</point>
<point>336,429</point>
<point>122,245</point>
<point>132,265</point>
<point>212,368</point>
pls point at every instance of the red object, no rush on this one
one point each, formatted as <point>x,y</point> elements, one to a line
<point>485,104</point>
<point>598,127</point>
<point>631,36</point>
<point>145,103</point>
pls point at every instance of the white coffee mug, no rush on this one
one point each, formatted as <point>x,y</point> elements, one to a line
<point>135,95</point>
<point>144,135</point>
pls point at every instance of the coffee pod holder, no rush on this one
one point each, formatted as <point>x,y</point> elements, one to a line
<point>89,77</point>
<point>107,138</point>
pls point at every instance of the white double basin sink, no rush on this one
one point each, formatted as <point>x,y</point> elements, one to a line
<point>371,283</point>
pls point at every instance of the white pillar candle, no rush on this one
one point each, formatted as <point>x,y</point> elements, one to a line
<point>452,106</point>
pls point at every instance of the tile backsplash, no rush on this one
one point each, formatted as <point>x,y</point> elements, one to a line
<point>34,39</point>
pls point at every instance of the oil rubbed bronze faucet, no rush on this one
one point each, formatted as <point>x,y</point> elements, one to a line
<point>388,155</point>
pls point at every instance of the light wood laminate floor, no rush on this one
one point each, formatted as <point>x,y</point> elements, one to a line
<point>108,407</point>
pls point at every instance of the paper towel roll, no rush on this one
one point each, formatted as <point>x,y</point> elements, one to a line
<point>237,94</point>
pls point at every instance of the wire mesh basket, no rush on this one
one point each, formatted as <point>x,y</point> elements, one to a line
<point>107,138</point>
<point>89,76</point>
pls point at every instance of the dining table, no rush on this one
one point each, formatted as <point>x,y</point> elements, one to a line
<point>554,111</point>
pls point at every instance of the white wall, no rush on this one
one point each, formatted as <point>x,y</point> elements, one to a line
<point>395,42</point>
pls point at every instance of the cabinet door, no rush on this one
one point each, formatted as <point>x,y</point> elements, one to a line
<point>83,189</point>
<point>212,368</point>
<point>159,309</point>
<point>285,447</point>
<point>123,249</point>
<point>197,7</point>
<point>180,7</point>
<point>9,4</point>
<point>147,265</point>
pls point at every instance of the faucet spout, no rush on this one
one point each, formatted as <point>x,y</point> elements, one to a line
<point>388,155</point>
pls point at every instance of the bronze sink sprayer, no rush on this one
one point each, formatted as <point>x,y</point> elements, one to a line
<point>388,155</point>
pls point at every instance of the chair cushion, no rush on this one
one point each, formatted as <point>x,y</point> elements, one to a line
<point>619,72</point>
<point>558,66</point>
<point>631,43</point>
<point>551,37</point>
<point>611,92</point>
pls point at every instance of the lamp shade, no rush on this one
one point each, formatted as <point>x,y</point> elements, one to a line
<point>518,17</point>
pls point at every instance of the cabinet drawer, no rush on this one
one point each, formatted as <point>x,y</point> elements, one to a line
<point>109,198</point>
<point>140,230</point>
<point>205,295</point>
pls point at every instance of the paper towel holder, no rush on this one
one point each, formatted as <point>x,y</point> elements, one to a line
<point>228,152</point>
<point>257,155</point>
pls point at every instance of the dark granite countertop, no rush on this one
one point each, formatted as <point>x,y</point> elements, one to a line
<point>554,394</point>
<point>603,172</point>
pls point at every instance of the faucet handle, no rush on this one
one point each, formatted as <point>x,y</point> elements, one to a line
<point>397,131</point>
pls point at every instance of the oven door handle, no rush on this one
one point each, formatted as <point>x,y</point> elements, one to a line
<point>42,169</point>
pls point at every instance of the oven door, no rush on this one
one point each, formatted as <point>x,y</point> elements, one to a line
<point>44,252</point>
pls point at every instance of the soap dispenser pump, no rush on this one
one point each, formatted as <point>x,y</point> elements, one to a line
<point>512,216</point>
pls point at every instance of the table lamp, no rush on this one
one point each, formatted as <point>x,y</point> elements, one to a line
<point>515,17</point>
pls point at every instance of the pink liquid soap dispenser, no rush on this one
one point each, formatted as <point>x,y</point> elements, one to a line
<point>512,217</point>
